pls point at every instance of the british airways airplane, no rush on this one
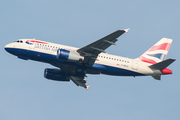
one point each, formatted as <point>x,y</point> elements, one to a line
<point>74,63</point>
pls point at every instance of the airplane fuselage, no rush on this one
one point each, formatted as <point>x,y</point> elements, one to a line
<point>105,63</point>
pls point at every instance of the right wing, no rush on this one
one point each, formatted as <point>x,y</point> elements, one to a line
<point>91,51</point>
<point>80,81</point>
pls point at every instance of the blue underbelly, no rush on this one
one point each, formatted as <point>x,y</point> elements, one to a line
<point>52,59</point>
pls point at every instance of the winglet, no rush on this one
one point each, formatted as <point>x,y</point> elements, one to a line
<point>87,86</point>
<point>126,30</point>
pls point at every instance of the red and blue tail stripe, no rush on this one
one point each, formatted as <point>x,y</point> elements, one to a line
<point>164,46</point>
<point>158,52</point>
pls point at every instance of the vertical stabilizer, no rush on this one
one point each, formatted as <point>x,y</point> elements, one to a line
<point>158,52</point>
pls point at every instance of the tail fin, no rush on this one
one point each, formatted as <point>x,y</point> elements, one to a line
<point>158,52</point>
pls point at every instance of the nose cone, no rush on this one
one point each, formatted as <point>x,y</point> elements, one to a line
<point>8,48</point>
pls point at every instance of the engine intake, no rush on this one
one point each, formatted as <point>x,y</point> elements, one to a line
<point>56,74</point>
<point>69,55</point>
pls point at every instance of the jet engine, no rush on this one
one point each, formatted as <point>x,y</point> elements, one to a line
<point>56,74</point>
<point>69,55</point>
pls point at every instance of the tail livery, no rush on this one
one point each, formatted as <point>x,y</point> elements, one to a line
<point>156,56</point>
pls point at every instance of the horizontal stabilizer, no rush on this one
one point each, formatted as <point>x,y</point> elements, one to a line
<point>162,65</point>
<point>157,77</point>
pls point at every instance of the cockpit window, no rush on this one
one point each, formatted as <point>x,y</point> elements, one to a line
<point>19,41</point>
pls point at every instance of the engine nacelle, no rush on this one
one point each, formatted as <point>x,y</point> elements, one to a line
<point>69,55</point>
<point>56,74</point>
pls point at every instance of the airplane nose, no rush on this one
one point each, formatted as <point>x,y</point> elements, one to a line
<point>8,48</point>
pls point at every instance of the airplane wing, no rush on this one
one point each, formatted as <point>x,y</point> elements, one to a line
<point>78,77</point>
<point>80,81</point>
<point>91,51</point>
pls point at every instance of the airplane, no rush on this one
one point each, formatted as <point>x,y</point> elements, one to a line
<point>74,63</point>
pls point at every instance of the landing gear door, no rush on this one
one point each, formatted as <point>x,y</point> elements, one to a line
<point>134,64</point>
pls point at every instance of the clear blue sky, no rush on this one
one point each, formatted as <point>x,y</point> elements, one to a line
<point>26,95</point>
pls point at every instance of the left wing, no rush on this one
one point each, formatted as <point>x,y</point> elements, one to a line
<point>91,51</point>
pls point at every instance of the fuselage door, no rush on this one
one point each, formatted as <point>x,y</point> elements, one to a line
<point>134,64</point>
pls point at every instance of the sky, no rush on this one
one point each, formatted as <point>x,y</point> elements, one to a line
<point>26,95</point>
